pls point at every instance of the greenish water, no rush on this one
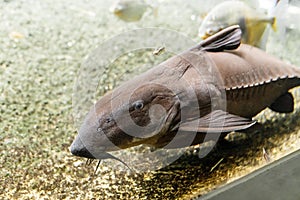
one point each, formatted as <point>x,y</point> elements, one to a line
<point>42,47</point>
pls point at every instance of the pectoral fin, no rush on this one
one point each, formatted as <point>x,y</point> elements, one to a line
<point>283,104</point>
<point>216,122</point>
<point>227,39</point>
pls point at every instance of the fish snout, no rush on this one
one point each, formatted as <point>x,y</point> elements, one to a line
<point>82,152</point>
<point>78,149</point>
<point>91,142</point>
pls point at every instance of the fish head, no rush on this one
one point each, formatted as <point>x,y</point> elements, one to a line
<point>123,119</point>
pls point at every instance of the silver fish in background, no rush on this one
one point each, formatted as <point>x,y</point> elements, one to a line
<point>253,21</point>
<point>132,10</point>
<point>251,79</point>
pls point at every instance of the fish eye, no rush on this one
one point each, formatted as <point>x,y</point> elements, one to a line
<point>138,105</point>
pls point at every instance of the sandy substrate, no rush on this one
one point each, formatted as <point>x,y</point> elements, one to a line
<point>42,47</point>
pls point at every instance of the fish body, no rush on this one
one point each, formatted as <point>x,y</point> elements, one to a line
<point>214,87</point>
<point>254,78</point>
<point>130,10</point>
<point>253,22</point>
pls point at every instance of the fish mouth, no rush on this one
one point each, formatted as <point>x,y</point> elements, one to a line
<point>81,152</point>
<point>84,152</point>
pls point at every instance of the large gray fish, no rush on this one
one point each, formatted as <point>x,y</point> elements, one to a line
<point>214,87</point>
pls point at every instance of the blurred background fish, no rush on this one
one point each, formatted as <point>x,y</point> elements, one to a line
<point>132,10</point>
<point>253,20</point>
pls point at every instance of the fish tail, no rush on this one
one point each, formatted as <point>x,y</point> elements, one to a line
<point>153,7</point>
<point>278,14</point>
<point>274,24</point>
<point>278,8</point>
<point>155,11</point>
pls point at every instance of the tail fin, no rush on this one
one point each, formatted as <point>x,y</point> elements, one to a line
<point>274,24</point>
<point>154,8</point>
<point>278,12</point>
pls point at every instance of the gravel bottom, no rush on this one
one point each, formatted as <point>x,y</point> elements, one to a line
<point>42,47</point>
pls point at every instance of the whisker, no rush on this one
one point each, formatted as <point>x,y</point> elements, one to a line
<point>118,159</point>
<point>89,161</point>
<point>97,166</point>
<point>106,155</point>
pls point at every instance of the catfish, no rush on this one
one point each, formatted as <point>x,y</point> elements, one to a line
<point>215,87</point>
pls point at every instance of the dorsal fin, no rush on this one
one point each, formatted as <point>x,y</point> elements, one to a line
<point>226,39</point>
